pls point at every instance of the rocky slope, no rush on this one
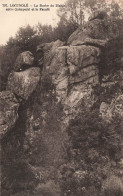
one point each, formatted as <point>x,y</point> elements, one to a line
<point>59,118</point>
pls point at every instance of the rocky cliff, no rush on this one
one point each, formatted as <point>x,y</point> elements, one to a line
<point>61,119</point>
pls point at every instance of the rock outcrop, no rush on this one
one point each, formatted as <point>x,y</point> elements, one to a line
<point>19,87</point>
<point>8,111</point>
<point>85,74</point>
<point>76,68</point>
<point>97,32</point>
<point>24,83</point>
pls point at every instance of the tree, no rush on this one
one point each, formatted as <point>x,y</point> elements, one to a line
<point>64,28</point>
<point>76,11</point>
<point>95,4</point>
<point>45,32</point>
<point>116,10</point>
<point>25,39</point>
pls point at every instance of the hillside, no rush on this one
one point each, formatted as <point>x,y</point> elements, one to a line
<point>61,124</point>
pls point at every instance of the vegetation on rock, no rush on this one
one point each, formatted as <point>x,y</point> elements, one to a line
<point>67,137</point>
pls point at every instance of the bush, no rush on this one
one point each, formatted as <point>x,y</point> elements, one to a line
<point>93,154</point>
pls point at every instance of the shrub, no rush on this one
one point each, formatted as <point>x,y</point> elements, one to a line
<point>94,151</point>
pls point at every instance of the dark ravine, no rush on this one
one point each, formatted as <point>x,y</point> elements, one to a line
<point>44,108</point>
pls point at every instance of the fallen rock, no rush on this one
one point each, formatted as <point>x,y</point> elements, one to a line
<point>24,61</point>
<point>8,112</point>
<point>24,83</point>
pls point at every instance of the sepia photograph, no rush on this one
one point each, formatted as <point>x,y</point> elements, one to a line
<point>61,97</point>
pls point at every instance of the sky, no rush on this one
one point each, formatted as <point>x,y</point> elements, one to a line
<point>10,21</point>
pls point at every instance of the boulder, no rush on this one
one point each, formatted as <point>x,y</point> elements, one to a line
<point>82,62</point>
<point>8,112</point>
<point>97,32</point>
<point>24,61</point>
<point>24,83</point>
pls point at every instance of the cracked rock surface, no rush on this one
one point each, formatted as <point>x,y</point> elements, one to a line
<point>8,111</point>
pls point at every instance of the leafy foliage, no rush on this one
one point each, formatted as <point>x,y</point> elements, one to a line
<point>76,11</point>
<point>92,156</point>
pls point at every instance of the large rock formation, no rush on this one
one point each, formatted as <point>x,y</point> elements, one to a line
<point>8,111</point>
<point>87,74</point>
<point>93,52</point>
<point>97,32</point>
<point>20,86</point>
<point>81,85</point>
<point>24,83</point>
